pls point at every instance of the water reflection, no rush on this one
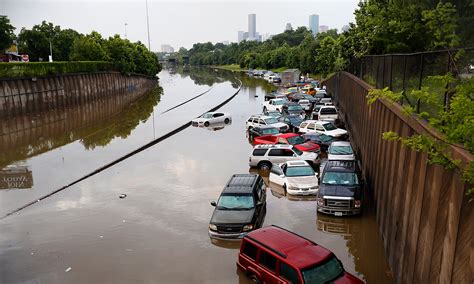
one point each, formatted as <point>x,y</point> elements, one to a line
<point>215,126</point>
<point>16,176</point>
<point>95,124</point>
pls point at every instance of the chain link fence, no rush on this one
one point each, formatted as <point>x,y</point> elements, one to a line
<point>407,72</point>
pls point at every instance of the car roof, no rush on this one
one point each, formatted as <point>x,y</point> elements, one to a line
<point>295,249</point>
<point>340,166</point>
<point>341,143</point>
<point>330,106</point>
<point>265,127</point>
<point>277,146</point>
<point>290,103</point>
<point>241,183</point>
<point>297,163</point>
<point>287,135</point>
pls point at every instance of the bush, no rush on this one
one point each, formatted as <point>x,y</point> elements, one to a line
<point>37,69</point>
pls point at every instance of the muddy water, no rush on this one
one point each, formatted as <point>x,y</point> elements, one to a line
<point>158,233</point>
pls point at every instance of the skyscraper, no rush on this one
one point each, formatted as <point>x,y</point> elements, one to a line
<point>314,24</point>
<point>252,26</point>
<point>240,36</point>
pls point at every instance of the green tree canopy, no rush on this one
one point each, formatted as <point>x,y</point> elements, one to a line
<point>6,33</point>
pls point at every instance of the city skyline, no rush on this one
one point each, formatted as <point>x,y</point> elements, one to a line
<point>216,21</point>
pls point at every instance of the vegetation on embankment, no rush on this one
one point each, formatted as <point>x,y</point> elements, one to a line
<point>402,27</point>
<point>71,46</point>
<point>38,69</point>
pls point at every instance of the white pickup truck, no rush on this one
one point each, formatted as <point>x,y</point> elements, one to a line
<point>328,113</point>
<point>273,105</point>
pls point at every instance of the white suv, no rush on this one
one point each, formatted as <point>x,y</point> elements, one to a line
<point>323,127</point>
<point>263,156</point>
<point>273,104</point>
<point>259,120</point>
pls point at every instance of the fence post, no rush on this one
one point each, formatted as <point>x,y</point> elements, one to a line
<point>391,72</point>
<point>383,73</point>
<point>404,74</point>
<point>421,78</point>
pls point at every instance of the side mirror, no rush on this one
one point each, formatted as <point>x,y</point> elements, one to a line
<point>213,203</point>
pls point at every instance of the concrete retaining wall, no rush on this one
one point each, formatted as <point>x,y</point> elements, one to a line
<point>29,95</point>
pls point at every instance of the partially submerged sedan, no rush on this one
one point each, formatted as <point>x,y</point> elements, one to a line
<point>212,117</point>
<point>296,177</point>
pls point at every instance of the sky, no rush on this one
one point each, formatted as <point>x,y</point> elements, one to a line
<point>179,23</point>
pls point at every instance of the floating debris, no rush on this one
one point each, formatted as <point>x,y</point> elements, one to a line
<point>123,195</point>
<point>68,269</point>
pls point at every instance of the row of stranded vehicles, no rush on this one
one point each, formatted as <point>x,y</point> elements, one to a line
<point>289,146</point>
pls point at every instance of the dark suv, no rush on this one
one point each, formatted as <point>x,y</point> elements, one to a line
<point>341,189</point>
<point>240,209</point>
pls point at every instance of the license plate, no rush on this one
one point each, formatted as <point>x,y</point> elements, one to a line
<point>337,213</point>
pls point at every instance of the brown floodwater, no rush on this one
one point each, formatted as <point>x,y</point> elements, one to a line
<point>158,233</point>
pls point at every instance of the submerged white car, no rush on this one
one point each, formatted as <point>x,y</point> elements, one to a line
<point>341,150</point>
<point>212,118</point>
<point>322,127</point>
<point>296,177</point>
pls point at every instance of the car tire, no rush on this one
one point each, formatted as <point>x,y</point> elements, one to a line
<point>226,121</point>
<point>254,279</point>
<point>265,166</point>
<point>206,124</point>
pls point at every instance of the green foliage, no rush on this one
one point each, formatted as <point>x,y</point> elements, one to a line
<point>87,48</point>
<point>441,23</point>
<point>385,93</point>
<point>36,69</point>
<point>6,33</point>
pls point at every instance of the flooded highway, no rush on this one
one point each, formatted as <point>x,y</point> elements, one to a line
<point>158,233</point>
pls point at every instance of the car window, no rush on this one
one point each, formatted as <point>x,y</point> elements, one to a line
<point>329,126</point>
<point>268,260</point>
<point>259,152</point>
<point>260,121</point>
<point>289,273</point>
<point>311,126</point>
<point>303,125</point>
<point>276,170</point>
<point>218,114</point>
<point>250,250</point>
<point>281,141</point>
<point>235,202</point>
<point>340,178</point>
<point>275,152</point>
<point>320,128</point>
<point>287,152</point>
<point>299,171</point>
<point>324,273</point>
<point>328,110</point>
<point>341,150</point>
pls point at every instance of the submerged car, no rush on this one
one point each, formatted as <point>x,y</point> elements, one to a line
<point>323,127</point>
<point>260,120</point>
<point>240,209</point>
<point>322,140</point>
<point>293,121</point>
<point>296,177</point>
<point>341,189</point>
<point>210,118</point>
<point>262,131</point>
<point>275,255</point>
<point>288,138</point>
<point>341,150</point>
<point>293,108</point>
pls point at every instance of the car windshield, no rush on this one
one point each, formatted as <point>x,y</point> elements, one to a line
<point>298,152</point>
<point>207,115</point>
<point>270,131</point>
<point>271,120</point>
<point>340,178</point>
<point>235,202</point>
<point>295,107</point>
<point>296,140</point>
<point>341,150</point>
<point>299,171</point>
<point>325,273</point>
<point>295,119</point>
<point>329,126</point>
<point>328,110</point>
<point>279,102</point>
<point>325,138</point>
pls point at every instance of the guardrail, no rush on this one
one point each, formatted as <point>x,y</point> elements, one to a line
<point>423,214</point>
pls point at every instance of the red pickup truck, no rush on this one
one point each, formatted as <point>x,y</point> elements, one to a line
<point>288,138</point>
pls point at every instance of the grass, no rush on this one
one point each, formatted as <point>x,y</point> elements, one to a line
<point>38,69</point>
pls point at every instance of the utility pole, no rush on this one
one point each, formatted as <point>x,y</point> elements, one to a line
<point>50,50</point>
<point>126,30</point>
<point>147,24</point>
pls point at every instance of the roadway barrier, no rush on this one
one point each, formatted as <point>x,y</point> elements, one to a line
<point>424,216</point>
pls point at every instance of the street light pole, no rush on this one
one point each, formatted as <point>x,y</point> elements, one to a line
<point>147,24</point>
<point>126,30</point>
<point>50,50</point>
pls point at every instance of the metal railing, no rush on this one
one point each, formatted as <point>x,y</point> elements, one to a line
<point>406,72</point>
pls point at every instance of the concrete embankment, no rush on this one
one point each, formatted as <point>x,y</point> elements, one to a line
<point>30,95</point>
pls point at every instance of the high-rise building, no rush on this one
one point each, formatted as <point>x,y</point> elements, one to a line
<point>240,36</point>
<point>252,26</point>
<point>314,24</point>
<point>288,27</point>
<point>323,29</point>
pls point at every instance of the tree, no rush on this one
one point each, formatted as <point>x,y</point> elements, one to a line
<point>63,43</point>
<point>36,42</point>
<point>6,33</point>
<point>86,48</point>
<point>442,24</point>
